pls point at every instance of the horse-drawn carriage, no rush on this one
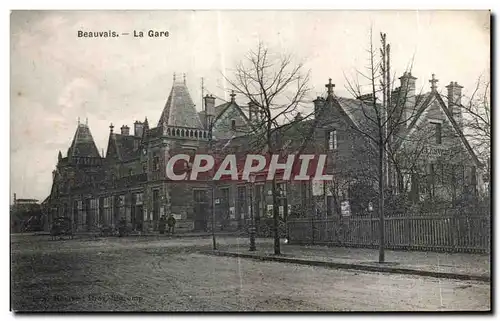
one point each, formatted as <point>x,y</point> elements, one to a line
<point>61,226</point>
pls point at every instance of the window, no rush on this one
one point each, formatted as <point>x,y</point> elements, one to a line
<point>473,178</point>
<point>82,217</point>
<point>332,140</point>
<point>107,209</point>
<point>94,212</point>
<point>233,124</point>
<point>200,196</point>
<point>225,195</point>
<point>437,132</point>
<point>156,162</point>
<point>407,182</point>
<point>138,199</point>
<point>242,201</point>
<point>281,187</point>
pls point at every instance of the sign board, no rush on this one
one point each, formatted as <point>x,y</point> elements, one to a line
<point>282,210</point>
<point>345,208</point>
<point>231,213</point>
<point>162,211</point>
<point>177,216</point>
<point>433,153</point>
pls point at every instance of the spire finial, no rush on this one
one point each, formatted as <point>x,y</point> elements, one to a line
<point>329,87</point>
<point>86,121</point>
<point>232,95</point>
<point>174,76</point>
<point>184,78</point>
<point>78,120</point>
<point>433,82</point>
<point>111,128</point>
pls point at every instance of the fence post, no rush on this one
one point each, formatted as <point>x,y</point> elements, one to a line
<point>410,232</point>
<point>312,229</point>
<point>453,227</point>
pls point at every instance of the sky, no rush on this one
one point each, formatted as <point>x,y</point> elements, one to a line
<point>57,77</point>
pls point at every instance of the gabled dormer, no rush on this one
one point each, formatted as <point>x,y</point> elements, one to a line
<point>229,120</point>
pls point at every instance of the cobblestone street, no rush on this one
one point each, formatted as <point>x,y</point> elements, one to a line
<point>155,274</point>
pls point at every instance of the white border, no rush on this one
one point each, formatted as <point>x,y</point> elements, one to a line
<point>185,4</point>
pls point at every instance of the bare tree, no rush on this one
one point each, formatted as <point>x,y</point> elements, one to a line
<point>275,87</point>
<point>383,117</point>
<point>477,119</point>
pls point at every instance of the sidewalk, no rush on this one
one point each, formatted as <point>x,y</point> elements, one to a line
<point>444,265</point>
<point>175,235</point>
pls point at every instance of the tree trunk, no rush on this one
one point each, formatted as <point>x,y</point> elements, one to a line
<point>381,254</point>
<point>276,214</point>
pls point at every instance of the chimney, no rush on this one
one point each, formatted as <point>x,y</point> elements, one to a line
<point>138,128</point>
<point>253,113</point>
<point>406,96</point>
<point>367,98</point>
<point>454,97</point>
<point>125,130</point>
<point>408,84</point>
<point>319,105</point>
<point>209,109</point>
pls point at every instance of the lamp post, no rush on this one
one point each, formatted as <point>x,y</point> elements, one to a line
<point>212,188</point>
<point>251,179</point>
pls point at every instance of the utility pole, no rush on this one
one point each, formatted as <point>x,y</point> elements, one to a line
<point>383,160</point>
<point>389,104</point>
<point>202,93</point>
<point>212,186</point>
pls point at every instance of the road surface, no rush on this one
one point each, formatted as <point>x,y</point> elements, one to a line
<point>151,274</point>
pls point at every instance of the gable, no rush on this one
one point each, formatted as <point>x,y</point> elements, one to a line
<point>435,111</point>
<point>112,152</point>
<point>230,112</point>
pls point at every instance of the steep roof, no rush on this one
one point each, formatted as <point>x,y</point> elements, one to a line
<point>83,144</point>
<point>180,109</point>
<point>124,147</point>
<point>221,109</point>
<point>361,113</point>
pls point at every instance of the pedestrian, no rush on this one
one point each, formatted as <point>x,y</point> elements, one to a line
<point>171,224</point>
<point>161,225</point>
